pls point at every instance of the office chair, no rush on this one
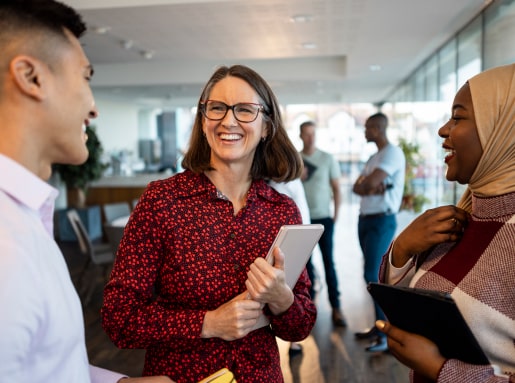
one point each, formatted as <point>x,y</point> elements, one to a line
<point>100,256</point>
<point>113,210</point>
<point>114,234</point>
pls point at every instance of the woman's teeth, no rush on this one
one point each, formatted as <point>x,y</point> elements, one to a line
<point>230,137</point>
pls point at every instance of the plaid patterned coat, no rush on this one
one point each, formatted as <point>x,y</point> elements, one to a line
<point>479,273</point>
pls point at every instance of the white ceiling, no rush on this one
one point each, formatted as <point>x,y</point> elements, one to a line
<point>190,38</point>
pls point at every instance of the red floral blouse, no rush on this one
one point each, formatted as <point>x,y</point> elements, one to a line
<point>184,252</point>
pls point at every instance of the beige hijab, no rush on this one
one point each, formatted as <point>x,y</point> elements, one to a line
<point>493,97</point>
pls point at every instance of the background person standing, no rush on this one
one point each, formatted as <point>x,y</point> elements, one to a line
<point>380,185</point>
<point>321,185</point>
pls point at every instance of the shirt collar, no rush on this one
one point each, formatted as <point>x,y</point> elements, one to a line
<point>27,189</point>
<point>258,188</point>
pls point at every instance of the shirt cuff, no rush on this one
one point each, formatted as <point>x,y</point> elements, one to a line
<point>395,274</point>
<point>101,375</point>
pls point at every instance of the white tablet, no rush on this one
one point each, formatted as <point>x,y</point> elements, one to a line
<point>297,243</point>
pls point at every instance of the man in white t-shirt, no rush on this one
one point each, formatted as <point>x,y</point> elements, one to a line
<point>380,185</point>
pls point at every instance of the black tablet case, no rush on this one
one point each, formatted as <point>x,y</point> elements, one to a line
<point>431,314</point>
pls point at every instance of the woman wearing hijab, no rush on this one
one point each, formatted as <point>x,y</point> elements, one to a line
<point>467,250</point>
<point>190,279</point>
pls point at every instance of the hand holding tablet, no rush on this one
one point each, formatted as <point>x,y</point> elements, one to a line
<point>432,314</point>
<point>297,243</point>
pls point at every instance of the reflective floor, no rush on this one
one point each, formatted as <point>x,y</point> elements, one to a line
<point>329,354</point>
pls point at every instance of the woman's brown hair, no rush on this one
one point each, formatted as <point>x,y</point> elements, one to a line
<point>276,158</point>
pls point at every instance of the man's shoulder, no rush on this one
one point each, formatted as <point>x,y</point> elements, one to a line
<point>390,151</point>
<point>322,155</point>
<point>322,152</point>
<point>394,148</point>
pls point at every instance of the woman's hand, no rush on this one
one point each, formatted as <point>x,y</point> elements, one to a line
<point>434,226</point>
<point>267,284</point>
<point>232,320</point>
<point>415,351</point>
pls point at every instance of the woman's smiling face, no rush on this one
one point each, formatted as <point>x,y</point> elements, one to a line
<point>232,141</point>
<point>461,139</point>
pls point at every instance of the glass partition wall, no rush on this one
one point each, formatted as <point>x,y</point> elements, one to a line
<point>422,103</point>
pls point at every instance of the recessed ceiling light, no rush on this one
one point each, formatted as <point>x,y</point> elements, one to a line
<point>127,44</point>
<point>301,18</point>
<point>309,45</point>
<point>101,30</point>
<point>374,68</point>
<point>148,54</point>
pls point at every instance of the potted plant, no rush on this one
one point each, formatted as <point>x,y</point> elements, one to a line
<point>410,199</point>
<point>78,177</point>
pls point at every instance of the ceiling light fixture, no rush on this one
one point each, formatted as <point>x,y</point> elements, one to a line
<point>309,45</point>
<point>101,30</point>
<point>148,54</point>
<point>301,18</point>
<point>374,68</point>
<point>127,44</point>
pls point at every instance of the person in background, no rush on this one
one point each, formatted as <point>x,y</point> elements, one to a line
<point>295,191</point>
<point>380,186</point>
<point>190,279</point>
<point>321,184</point>
<point>45,104</point>
<point>468,250</point>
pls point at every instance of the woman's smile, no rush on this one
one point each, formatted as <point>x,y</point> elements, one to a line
<point>230,136</point>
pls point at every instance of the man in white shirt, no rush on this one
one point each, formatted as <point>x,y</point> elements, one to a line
<point>380,185</point>
<point>45,104</point>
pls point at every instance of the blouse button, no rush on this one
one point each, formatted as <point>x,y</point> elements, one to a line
<point>233,235</point>
<point>236,267</point>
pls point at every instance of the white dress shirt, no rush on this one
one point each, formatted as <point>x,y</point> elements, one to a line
<point>41,321</point>
<point>295,190</point>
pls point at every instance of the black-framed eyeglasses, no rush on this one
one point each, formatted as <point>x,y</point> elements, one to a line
<point>243,111</point>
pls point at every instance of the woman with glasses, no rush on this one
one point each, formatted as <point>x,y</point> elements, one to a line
<point>190,279</point>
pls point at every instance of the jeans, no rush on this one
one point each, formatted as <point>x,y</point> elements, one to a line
<point>375,235</point>
<point>326,248</point>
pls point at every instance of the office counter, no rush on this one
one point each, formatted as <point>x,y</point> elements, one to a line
<point>120,188</point>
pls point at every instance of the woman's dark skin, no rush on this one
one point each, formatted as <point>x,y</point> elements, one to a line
<point>435,226</point>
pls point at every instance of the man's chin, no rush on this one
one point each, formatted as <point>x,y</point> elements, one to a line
<point>77,159</point>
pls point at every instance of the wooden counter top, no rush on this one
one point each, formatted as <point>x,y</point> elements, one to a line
<point>137,180</point>
<point>120,188</point>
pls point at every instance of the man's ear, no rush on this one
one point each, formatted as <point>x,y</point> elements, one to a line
<point>27,74</point>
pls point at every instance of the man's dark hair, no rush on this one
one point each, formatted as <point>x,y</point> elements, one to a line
<point>380,116</point>
<point>36,28</point>
<point>40,15</point>
<point>305,124</point>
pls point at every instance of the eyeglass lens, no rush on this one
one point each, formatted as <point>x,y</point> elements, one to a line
<point>243,112</point>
